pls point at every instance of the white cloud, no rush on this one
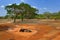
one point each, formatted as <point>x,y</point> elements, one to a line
<point>22,1</point>
<point>45,8</point>
<point>9,4</point>
<point>34,6</point>
<point>2,6</point>
<point>18,3</point>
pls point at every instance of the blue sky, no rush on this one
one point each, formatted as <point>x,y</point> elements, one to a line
<point>41,5</point>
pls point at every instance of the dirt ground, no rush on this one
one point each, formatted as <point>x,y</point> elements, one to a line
<point>50,31</point>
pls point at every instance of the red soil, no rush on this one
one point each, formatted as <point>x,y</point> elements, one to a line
<point>43,32</point>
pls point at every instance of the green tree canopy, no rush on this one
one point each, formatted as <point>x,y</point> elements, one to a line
<point>23,9</point>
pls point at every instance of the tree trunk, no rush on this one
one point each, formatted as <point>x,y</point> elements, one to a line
<point>22,17</point>
<point>15,18</point>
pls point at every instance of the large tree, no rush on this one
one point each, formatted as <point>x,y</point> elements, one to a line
<point>23,9</point>
<point>11,10</point>
<point>27,11</point>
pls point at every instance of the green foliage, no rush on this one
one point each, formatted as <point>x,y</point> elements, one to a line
<point>48,15</point>
<point>40,16</point>
<point>23,9</point>
<point>1,17</point>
